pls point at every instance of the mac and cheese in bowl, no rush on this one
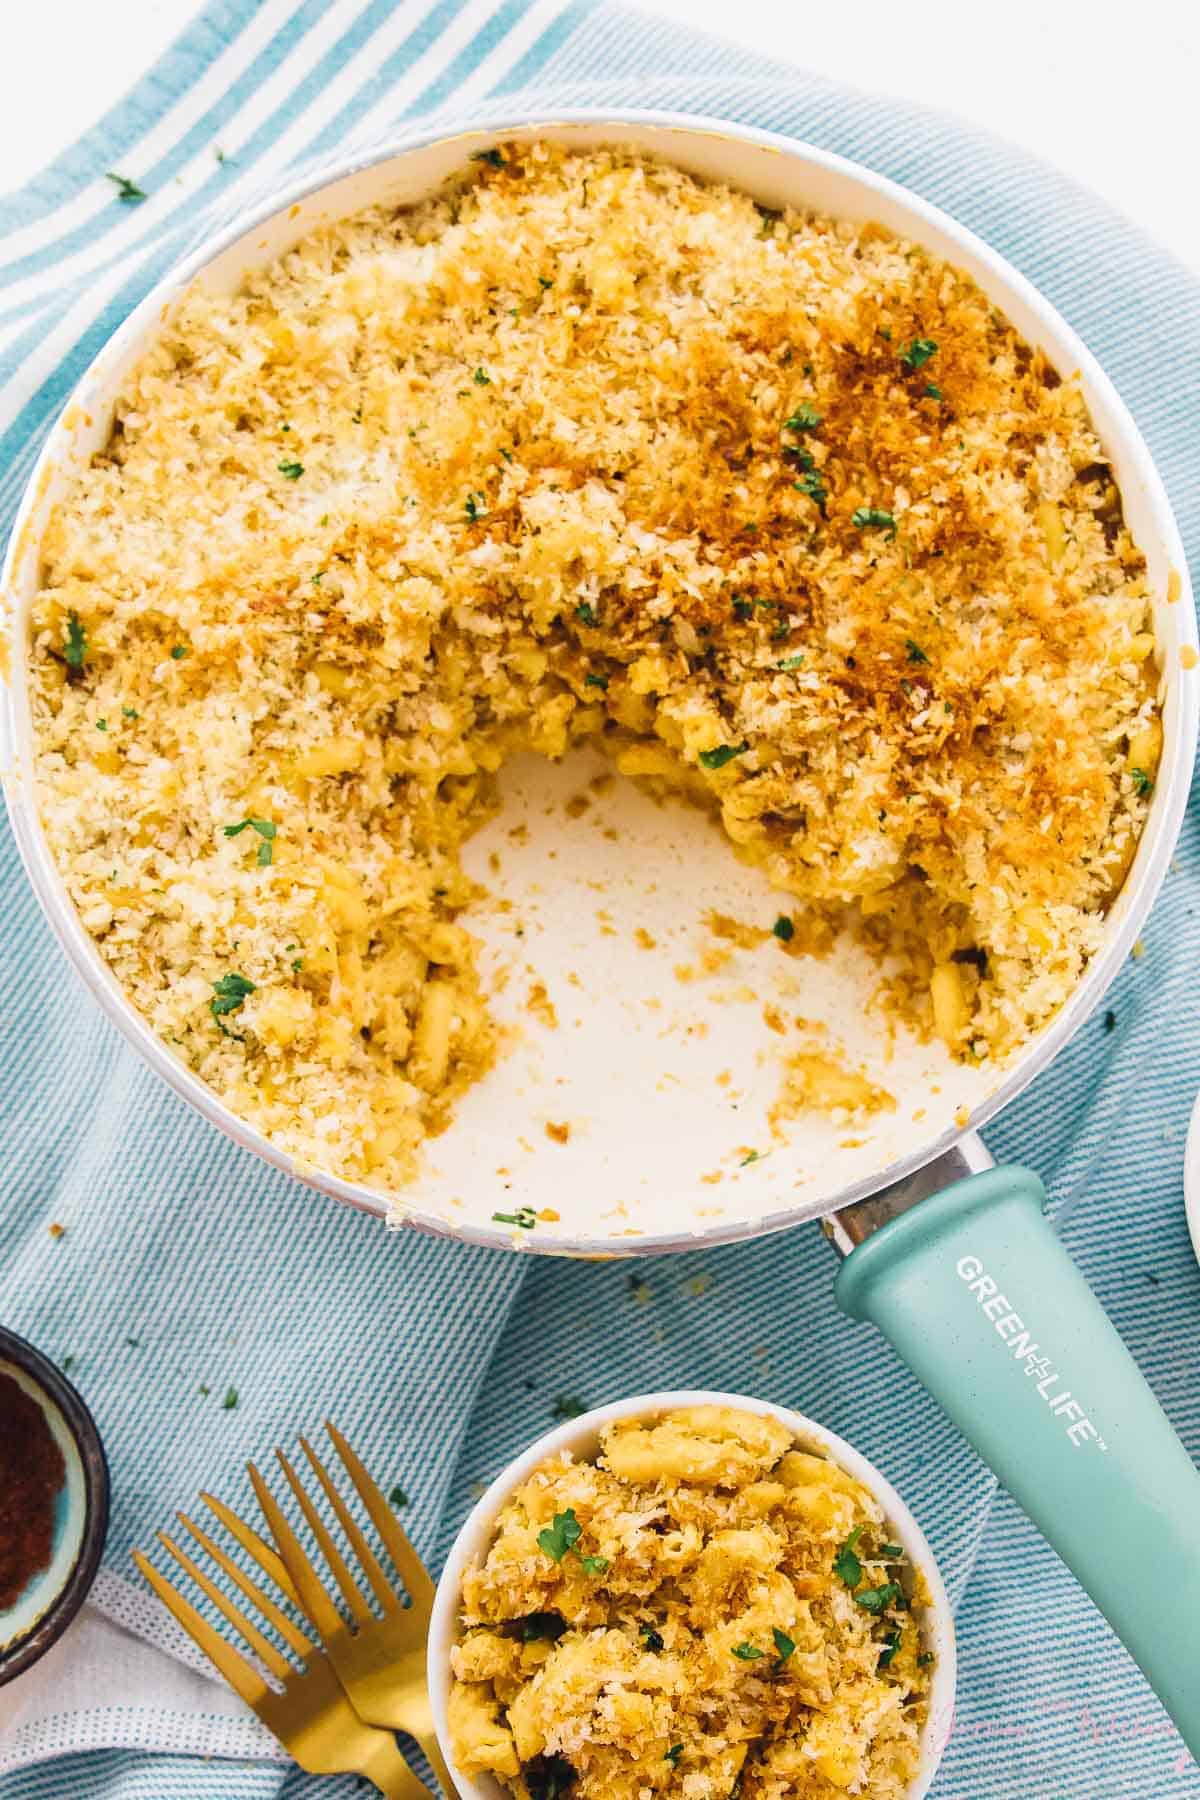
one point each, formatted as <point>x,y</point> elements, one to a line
<point>707,1605</point>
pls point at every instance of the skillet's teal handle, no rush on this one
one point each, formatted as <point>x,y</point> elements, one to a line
<point>975,1291</point>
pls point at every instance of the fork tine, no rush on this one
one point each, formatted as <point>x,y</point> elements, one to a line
<point>262,1647</point>
<point>412,1570</point>
<point>254,1544</point>
<point>244,1680</point>
<point>278,1618</point>
<point>385,1593</point>
<point>313,1598</point>
<point>351,1593</point>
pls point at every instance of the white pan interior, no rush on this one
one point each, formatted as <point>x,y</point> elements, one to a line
<point>648,1045</point>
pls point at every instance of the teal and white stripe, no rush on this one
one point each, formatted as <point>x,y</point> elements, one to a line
<point>442,1361</point>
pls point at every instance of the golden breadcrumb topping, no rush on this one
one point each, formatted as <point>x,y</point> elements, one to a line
<point>707,1609</point>
<point>778,511</point>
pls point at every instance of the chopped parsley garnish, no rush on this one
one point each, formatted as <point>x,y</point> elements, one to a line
<point>846,1565</point>
<point>481,378</point>
<point>75,646</point>
<point>790,662</point>
<point>545,282</point>
<point>130,712</point>
<point>812,485</point>
<point>297,965</point>
<point>568,1406</point>
<point>556,1539</point>
<point>744,609</point>
<point>178,652</point>
<point>932,391</point>
<point>891,1645</point>
<point>925,1660</point>
<point>291,471</point>
<point>526,1218</point>
<point>784,929</point>
<point>747,1652</point>
<point>805,418</point>
<point>752,1157</point>
<point>892,1550</point>
<point>230,1401</point>
<point>127,190</point>
<point>228,995</point>
<point>878,1599</point>
<point>101,724</point>
<point>397,1496</point>
<point>804,458</point>
<point>651,1639</point>
<point>475,507</point>
<point>915,652</point>
<point>784,1646</point>
<point>318,578</point>
<point>1142,782</point>
<point>492,157</point>
<point>541,1625</point>
<point>724,753</point>
<point>673,1755</point>
<point>266,829</point>
<point>562,1536</point>
<point>868,518</point>
<point>585,613</point>
<point>918,353</point>
<point>600,681</point>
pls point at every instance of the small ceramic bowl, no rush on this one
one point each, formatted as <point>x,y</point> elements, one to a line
<point>582,1437</point>
<point>42,1612</point>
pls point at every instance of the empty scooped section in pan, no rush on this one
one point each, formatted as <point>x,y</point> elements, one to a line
<point>669,1064</point>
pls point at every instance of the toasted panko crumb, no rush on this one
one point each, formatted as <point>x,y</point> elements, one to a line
<point>670,1617</point>
<point>779,512</point>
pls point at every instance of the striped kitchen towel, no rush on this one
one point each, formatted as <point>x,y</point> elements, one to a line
<point>211,1307</point>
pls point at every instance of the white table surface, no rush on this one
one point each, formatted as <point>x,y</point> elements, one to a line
<point>1108,90</point>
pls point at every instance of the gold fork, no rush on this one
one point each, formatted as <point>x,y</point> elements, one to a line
<point>379,1661</point>
<point>309,1713</point>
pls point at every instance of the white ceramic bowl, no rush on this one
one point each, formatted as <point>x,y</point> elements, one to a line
<point>582,1436</point>
<point>644,1120</point>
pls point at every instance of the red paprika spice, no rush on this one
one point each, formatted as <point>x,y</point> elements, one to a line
<point>32,1473</point>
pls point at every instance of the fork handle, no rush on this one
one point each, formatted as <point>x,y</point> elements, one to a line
<point>389,1772</point>
<point>437,1762</point>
